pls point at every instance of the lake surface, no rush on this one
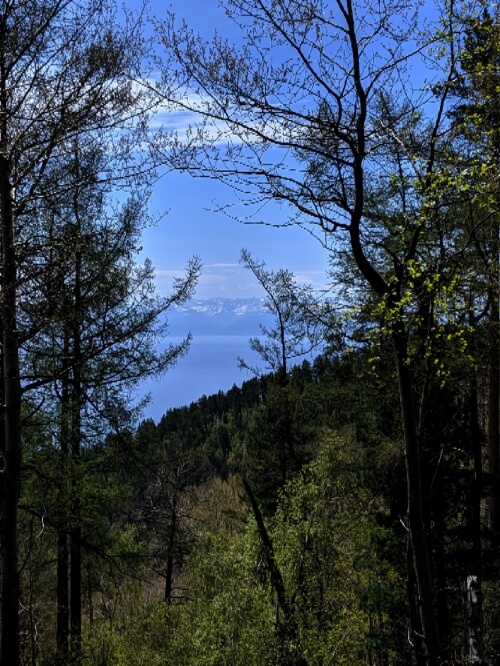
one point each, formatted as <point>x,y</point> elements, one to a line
<point>210,366</point>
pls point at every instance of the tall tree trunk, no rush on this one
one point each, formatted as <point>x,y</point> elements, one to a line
<point>493,420</point>
<point>76,587</point>
<point>289,628</point>
<point>415,630</point>
<point>11,390</point>
<point>416,525</point>
<point>494,400</point>
<point>474,579</point>
<point>62,623</point>
<point>62,611</point>
<point>11,481</point>
<point>172,533</point>
<point>443,619</point>
<point>76,436</point>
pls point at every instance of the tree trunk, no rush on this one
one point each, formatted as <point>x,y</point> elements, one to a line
<point>62,602</point>
<point>474,589</point>
<point>494,403</point>
<point>415,500</point>
<point>289,624</point>
<point>169,573</point>
<point>76,436</point>
<point>439,518</point>
<point>415,629</point>
<point>62,625</point>
<point>11,482</point>
<point>474,614</point>
<point>76,587</point>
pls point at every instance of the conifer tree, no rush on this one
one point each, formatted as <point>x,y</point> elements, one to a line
<point>83,367</point>
<point>66,71</point>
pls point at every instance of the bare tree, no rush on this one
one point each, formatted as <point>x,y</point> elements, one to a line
<point>300,319</point>
<point>316,110</point>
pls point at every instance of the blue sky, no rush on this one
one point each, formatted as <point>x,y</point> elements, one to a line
<point>191,225</point>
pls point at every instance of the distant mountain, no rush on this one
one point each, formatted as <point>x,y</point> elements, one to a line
<point>217,306</point>
<point>220,316</point>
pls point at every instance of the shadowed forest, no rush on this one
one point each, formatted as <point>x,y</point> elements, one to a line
<point>265,525</point>
<point>340,511</point>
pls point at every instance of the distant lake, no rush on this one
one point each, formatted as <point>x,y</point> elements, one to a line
<point>210,366</point>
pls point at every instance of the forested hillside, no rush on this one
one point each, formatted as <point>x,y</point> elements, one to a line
<point>341,511</point>
<point>267,525</point>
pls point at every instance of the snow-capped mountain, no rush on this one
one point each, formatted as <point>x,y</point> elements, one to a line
<point>216,306</point>
<point>219,316</point>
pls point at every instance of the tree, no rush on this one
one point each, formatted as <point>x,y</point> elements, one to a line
<point>324,533</point>
<point>100,341</point>
<point>317,110</point>
<point>66,70</point>
<point>172,472</point>
<point>300,319</point>
<point>476,122</point>
<point>277,447</point>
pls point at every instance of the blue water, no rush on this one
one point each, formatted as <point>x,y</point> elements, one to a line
<point>210,366</point>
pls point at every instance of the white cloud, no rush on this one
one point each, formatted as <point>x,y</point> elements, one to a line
<point>196,119</point>
<point>222,265</point>
<point>231,280</point>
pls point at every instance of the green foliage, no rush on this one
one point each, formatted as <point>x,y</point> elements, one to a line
<point>324,537</point>
<point>231,619</point>
<point>177,570</point>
